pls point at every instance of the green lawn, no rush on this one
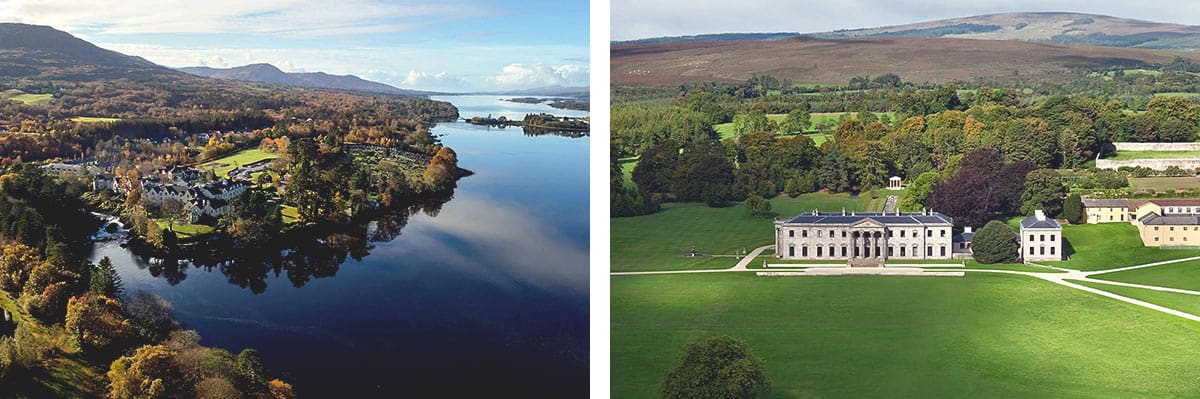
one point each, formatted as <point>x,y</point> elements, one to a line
<point>769,257</point>
<point>92,119</point>
<point>627,165</point>
<point>1182,275</point>
<point>726,129</point>
<point>659,241</point>
<point>222,166</point>
<point>28,99</point>
<point>982,335</point>
<point>185,230</point>
<point>289,214</point>
<point>1162,184</point>
<point>1111,245</point>
<point>1181,302</point>
<point>1127,155</point>
<point>1177,94</point>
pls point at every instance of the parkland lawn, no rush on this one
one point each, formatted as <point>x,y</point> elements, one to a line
<point>1126,155</point>
<point>659,241</point>
<point>829,118</point>
<point>222,166</point>
<point>983,335</point>
<point>1109,246</point>
<point>1181,302</point>
<point>26,98</point>
<point>1182,275</point>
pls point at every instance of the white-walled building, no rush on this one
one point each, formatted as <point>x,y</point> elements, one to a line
<point>1041,238</point>
<point>867,236</point>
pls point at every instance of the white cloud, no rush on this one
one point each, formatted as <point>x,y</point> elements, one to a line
<point>537,75</point>
<point>414,79</point>
<point>290,18</point>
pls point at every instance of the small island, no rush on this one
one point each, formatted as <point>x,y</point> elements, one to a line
<point>575,104</point>
<point>537,122</point>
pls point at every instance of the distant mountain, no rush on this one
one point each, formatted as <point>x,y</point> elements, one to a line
<point>267,73</point>
<point>1047,27</point>
<point>42,52</point>
<point>546,91</point>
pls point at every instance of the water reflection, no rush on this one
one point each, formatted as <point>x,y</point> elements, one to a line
<point>301,255</point>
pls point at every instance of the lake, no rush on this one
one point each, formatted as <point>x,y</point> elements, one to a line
<point>486,296</point>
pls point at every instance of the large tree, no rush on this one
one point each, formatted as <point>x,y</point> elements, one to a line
<point>1044,190</point>
<point>796,122</point>
<point>1073,209</point>
<point>656,167</point>
<point>836,171</point>
<point>995,243</point>
<point>704,174</point>
<point>717,367</point>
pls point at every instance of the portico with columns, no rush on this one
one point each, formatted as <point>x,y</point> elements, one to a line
<point>865,239</point>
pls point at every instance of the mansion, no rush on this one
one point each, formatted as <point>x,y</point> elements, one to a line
<point>182,185</point>
<point>865,237</point>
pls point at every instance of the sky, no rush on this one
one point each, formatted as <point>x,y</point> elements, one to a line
<point>639,19</point>
<point>438,45</point>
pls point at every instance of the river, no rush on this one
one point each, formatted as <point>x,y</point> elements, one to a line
<point>486,296</point>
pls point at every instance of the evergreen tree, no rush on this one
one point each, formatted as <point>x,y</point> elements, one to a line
<point>105,280</point>
<point>995,243</point>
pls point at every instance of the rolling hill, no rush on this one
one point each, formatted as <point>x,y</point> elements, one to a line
<point>44,53</point>
<point>835,61</point>
<point>1047,27</point>
<point>267,73</point>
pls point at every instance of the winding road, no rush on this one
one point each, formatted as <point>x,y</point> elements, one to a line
<point>1056,278</point>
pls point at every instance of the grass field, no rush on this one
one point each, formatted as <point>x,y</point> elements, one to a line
<point>92,119</point>
<point>886,337</point>
<point>659,241</point>
<point>222,166</point>
<point>627,165</point>
<point>1177,94</point>
<point>185,230</point>
<point>1181,302</point>
<point>1127,155</point>
<point>1162,184</point>
<point>726,129</point>
<point>1111,245</point>
<point>28,99</point>
<point>289,214</point>
<point>1182,275</point>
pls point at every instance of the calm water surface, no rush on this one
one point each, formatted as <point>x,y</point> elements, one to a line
<point>486,296</point>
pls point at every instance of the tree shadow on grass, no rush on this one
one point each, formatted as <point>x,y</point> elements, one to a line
<point>1068,249</point>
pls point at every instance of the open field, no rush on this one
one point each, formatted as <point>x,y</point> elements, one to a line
<point>1127,155</point>
<point>1182,275</point>
<point>1178,94</point>
<point>62,376</point>
<point>185,230</point>
<point>659,241</point>
<point>627,165</point>
<point>222,166</point>
<point>92,119</point>
<point>289,214</point>
<point>28,99</point>
<point>1162,184</point>
<point>1181,302</point>
<point>831,118</point>
<point>982,335</point>
<point>824,61</point>
<point>1109,246</point>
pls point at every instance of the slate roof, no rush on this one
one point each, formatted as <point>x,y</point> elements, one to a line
<point>1106,203</point>
<point>837,218</point>
<point>964,237</point>
<point>1170,220</point>
<point>1033,222</point>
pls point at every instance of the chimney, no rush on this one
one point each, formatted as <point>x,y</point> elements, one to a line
<point>967,229</point>
<point>843,211</point>
<point>851,212</point>
<point>1040,215</point>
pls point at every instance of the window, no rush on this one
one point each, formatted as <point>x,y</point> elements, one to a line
<point>943,251</point>
<point>929,251</point>
<point>944,232</point>
<point>929,233</point>
<point>1041,250</point>
<point>1052,237</point>
<point>901,233</point>
<point>889,233</point>
<point>791,233</point>
<point>902,248</point>
<point>831,234</point>
<point>1042,237</point>
<point>1172,238</point>
<point>819,248</point>
<point>804,251</point>
<point>1155,228</point>
<point>1031,237</point>
<point>804,233</point>
<point>791,251</point>
<point>1052,250</point>
<point>843,252</point>
<point>1172,228</point>
<point>1155,238</point>
<point>1031,250</point>
<point>915,235</point>
<point>818,233</point>
<point>890,250</point>
<point>843,233</point>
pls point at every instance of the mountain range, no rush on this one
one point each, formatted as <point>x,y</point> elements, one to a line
<point>1047,27</point>
<point>267,73</point>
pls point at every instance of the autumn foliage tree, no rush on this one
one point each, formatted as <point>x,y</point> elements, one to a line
<point>97,322</point>
<point>150,372</point>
